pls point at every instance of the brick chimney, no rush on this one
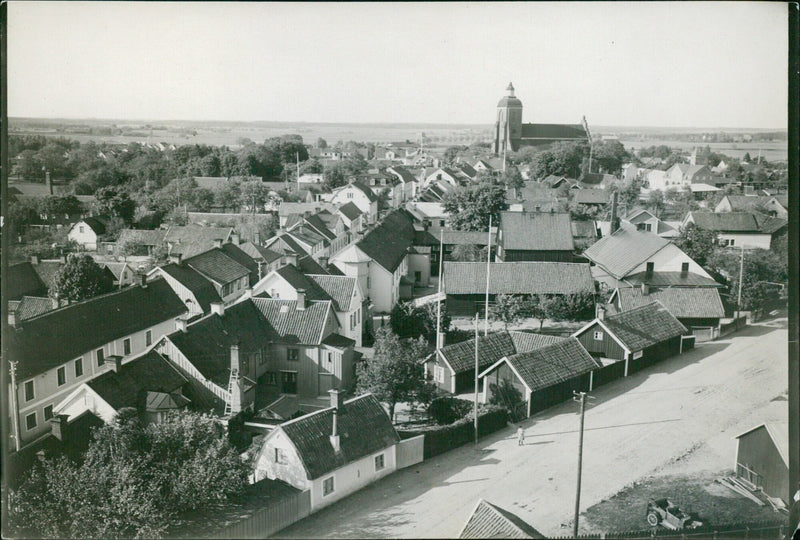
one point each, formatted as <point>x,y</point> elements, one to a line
<point>335,433</point>
<point>217,308</point>
<point>143,280</point>
<point>614,218</point>
<point>323,262</point>
<point>645,289</point>
<point>601,312</point>
<point>176,258</point>
<point>302,300</point>
<point>235,239</point>
<point>336,398</point>
<point>114,362</point>
<point>181,324</point>
<point>291,257</point>
<point>59,426</point>
<point>217,242</point>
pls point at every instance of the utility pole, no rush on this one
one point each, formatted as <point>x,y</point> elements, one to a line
<point>297,157</point>
<point>475,410</point>
<point>488,269</point>
<point>439,297</point>
<point>741,274</point>
<point>581,397</point>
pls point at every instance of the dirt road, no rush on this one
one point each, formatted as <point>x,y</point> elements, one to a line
<point>645,424</point>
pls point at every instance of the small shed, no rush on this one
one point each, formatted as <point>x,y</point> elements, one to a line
<point>490,521</point>
<point>762,458</point>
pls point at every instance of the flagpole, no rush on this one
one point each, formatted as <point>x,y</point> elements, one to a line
<point>439,296</point>
<point>475,411</point>
<point>488,269</point>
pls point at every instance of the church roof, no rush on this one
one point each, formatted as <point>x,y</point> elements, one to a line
<point>553,131</point>
<point>509,101</point>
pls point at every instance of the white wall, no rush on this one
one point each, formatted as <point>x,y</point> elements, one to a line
<point>87,237</point>
<point>352,477</point>
<point>186,296</point>
<point>748,241</point>
<point>670,259</point>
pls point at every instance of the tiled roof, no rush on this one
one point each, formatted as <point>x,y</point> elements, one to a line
<point>553,364</point>
<point>553,180</point>
<point>299,280</point>
<point>682,302</point>
<point>727,222</point>
<point>363,427</point>
<point>584,229</point>
<point>671,279</point>
<point>97,224</point>
<point>287,208</point>
<point>467,169</point>
<point>517,278</point>
<point>769,225</point>
<point>592,196</point>
<point>116,268</point>
<point>33,306</point>
<point>305,262</point>
<point>536,231</point>
<point>49,340</point>
<point>194,239</point>
<point>627,248</point>
<point>203,290</point>
<point>740,203</point>
<point>24,280</point>
<point>144,237</point>
<point>47,271</point>
<point>644,326</point>
<point>404,173</point>
<point>129,387</point>
<point>490,521</point>
<point>292,325</point>
<point>388,243</point>
<point>338,341</point>
<point>350,210</point>
<point>491,348</point>
<point>553,131</point>
<point>260,252</point>
<point>528,341</point>
<point>365,190</point>
<point>207,342</point>
<point>242,257</point>
<point>340,289</point>
<point>316,223</point>
<point>217,265</point>
<point>451,237</point>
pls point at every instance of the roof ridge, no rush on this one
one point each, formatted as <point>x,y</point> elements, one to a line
<point>326,409</point>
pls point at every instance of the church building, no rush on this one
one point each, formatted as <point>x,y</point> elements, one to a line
<point>511,134</point>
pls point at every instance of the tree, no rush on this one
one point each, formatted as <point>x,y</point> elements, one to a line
<point>762,269</point>
<point>469,253</point>
<point>610,155</point>
<point>507,308</point>
<point>80,278</point>
<point>697,243</point>
<point>406,320</point>
<point>656,202</point>
<point>470,207</point>
<point>322,143</point>
<point>569,307</point>
<point>115,202</point>
<point>133,481</point>
<point>451,153</point>
<point>394,373</point>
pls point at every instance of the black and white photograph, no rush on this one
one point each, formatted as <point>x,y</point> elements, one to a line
<point>400,270</point>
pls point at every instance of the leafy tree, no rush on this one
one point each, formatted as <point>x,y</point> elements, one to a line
<point>563,159</point>
<point>406,320</point>
<point>656,202</point>
<point>569,307</point>
<point>533,305</point>
<point>761,269</point>
<point>629,194</point>
<point>512,178</point>
<point>322,143</point>
<point>610,155</point>
<point>469,253</point>
<point>116,203</point>
<point>394,373</point>
<point>133,481</point>
<point>29,167</point>
<point>697,243</point>
<point>311,166</point>
<point>451,154</point>
<point>80,278</point>
<point>507,308</point>
<point>253,195</point>
<point>470,207</point>
<point>61,205</point>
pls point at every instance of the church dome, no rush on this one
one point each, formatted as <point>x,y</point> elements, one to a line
<point>509,100</point>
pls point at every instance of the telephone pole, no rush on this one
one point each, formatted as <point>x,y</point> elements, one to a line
<point>739,299</point>
<point>475,410</point>
<point>581,397</point>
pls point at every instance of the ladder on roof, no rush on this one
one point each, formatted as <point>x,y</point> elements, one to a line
<point>231,383</point>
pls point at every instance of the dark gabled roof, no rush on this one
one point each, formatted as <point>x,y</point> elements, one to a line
<point>299,280</point>
<point>32,306</point>
<point>291,325</point>
<point>207,342</point>
<point>47,271</point>
<point>744,203</point>
<point>364,189</point>
<point>490,521</point>
<point>216,265</point>
<point>517,278</point>
<point>671,279</point>
<point>536,231</point>
<point>644,326</point>
<point>49,340</point>
<point>350,211</point>
<point>404,173</point>
<point>317,224</point>
<point>305,263</point>
<point>24,280</point>
<point>203,290</point>
<point>451,237</point>
<point>259,252</point>
<point>143,237</point>
<point>624,250</point>
<point>467,169</point>
<point>363,426</point>
<point>591,196</point>
<point>770,225</point>
<point>553,364</point>
<point>388,243</point>
<point>338,341</point>
<point>128,387</point>
<point>194,239</point>
<point>241,256</point>
<point>340,289</point>
<point>584,229</point>
<point>461,356</point>
<point>528,341</point>
<point>682,302</point>
<point>553,131</point>
<point>741,222</point>
<point>306,234</point>
<point>97,224</point>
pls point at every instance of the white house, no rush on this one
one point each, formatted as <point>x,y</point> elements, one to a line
<point>358,194</point>
<point>431,212</point>
<point>309,178</point>
<point>333,452</point>
<point>87,231</point>
<point>748,230</point>
<point>629,172</point>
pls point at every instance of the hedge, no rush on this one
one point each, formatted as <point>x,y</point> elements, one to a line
<point>440,439</point>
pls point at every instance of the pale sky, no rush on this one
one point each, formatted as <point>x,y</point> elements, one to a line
<point>713,64</point>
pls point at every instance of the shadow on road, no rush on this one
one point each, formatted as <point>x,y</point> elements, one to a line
<point>604,427</point>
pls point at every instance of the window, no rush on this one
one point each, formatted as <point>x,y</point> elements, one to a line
<point>438,374</point>
<point>62,376</point>
<point>327,486</point>
<point>126,346</point>
<point>78,367</point>
<point>731,242</point>
<point>148,338</point>
<point>379,462</point>
<point>598,336</point>
<point>48,413</point>
<point>349,195</point>
<point>270,377</point>
<point>101,357</point>
<point>30,421</point>
<point>293,355</point>
<point>280,455</point>
<point>684,267</point>
<point>358,316</point>
<point>80,229</point>
<point>29,395</point>
<point>441,223</point>
<point>352,321</point>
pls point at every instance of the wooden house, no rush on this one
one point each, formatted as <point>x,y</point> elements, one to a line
<point>490,521</point>
<point>762,459</point>
<point>535,236</point>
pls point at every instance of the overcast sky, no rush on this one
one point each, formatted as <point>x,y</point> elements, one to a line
<point>640,64</point>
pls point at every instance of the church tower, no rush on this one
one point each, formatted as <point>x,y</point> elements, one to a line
<point>508,129</point>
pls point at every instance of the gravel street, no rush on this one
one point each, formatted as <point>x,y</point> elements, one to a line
<point>650,423</point>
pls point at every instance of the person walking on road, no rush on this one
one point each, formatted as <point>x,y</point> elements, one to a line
<point>520,436</point>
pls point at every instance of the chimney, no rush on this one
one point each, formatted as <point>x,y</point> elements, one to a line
<point>48,182</point>
<point>12,319</point>
<point>645,289</point>
<point>260,269</point>
<point>440,340</point>
<point>334,433</point>
<point>218,308</point>
<point>143,280</point>
<point>235,357</point>
<point>54,303</point>
<point>336,399</point>
<point>176,258</point>
<point>291,257</point>
<point>181,324</point>
<point>217,242</point>
<point>58,426</point>
<point>323,262</point>
<point>235,239</point>
<point>34,260</point>
<point>257,238</point>
<point>601,312</point>
<point>114,362</point>
<point>302,301</point>
<point>614,218</point>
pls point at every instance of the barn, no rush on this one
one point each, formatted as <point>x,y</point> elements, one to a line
<point>532,381</point>
<point>632,340</point>
<point>762,458</point>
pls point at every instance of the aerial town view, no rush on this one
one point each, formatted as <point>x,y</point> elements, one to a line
<point>398,270</point>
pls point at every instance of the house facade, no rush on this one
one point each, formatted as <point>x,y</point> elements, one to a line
<point>360,195</point>
<point>762,459</point>
<point>86,232</point>
<point>534,236</point>
<point>748,230</point>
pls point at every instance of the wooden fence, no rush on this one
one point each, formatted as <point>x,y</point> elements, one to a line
<point>733,326</point>
<point>410,451</point>
<point>441,439</point>
<point>270,519</point>
<point>769,530</point>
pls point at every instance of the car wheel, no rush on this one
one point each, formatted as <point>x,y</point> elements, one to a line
<point>652,519</point>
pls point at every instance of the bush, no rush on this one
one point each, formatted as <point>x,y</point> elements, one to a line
<point>447,409</point>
